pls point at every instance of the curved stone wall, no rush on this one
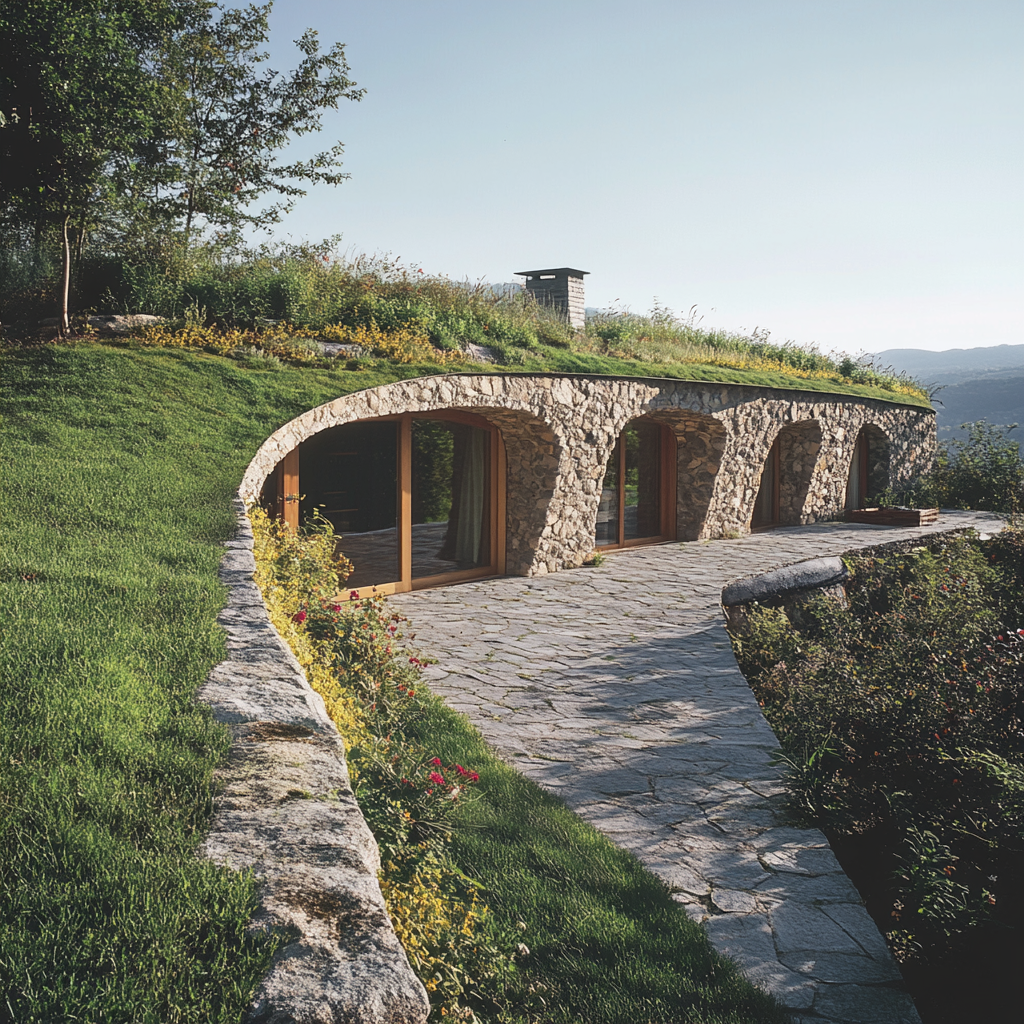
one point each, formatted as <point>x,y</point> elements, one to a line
<point>559,431</point>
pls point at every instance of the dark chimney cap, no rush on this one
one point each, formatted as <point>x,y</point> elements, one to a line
<point>568,271</point>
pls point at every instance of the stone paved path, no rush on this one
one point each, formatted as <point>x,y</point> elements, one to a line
<point>616,688</point>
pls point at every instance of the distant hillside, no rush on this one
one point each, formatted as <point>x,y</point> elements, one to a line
<point>976,383</point>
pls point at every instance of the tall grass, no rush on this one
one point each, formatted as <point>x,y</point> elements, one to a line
<point>661,336</point>
<point>313,287</point>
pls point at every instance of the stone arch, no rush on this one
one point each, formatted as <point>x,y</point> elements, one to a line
<point>700,447</point>
<point>531,443</point>
<point>781,497</point>
<point>799,444</point>
<point>867,465</point>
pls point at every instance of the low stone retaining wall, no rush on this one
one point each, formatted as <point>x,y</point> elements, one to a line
<point>285,809</point>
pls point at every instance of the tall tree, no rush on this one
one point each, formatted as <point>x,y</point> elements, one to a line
<point>79,107</point>
<point>234,116</point>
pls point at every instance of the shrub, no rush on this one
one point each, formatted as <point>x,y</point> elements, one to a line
<point>905,714</point>
<point>982,471</point>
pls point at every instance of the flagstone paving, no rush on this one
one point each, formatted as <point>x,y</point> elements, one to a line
<point>616,688</point>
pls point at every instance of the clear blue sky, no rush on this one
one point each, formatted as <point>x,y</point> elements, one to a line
<point>846,173</point>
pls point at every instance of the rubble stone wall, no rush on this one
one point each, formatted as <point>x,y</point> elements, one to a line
<point>559,431</point>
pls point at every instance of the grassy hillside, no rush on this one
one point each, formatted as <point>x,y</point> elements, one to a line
<point>119,465</point>
<point>277,299</point>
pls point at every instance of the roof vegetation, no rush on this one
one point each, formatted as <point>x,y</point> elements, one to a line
<point>276,301</point>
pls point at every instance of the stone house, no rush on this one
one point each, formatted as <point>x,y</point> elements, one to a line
<point>441,479</point>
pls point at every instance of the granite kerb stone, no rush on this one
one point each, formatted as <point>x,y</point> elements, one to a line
<point>285,810</point>
<point>806,575</point>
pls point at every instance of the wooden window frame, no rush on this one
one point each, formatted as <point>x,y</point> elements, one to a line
<point>863,461</point>
<point>286,487</point>
<point>667,485</point>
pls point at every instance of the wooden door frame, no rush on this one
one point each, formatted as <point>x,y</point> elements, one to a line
<point>667,486</point>
<point>286,487</point>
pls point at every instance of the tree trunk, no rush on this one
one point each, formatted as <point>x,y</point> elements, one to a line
<point>66,286</point>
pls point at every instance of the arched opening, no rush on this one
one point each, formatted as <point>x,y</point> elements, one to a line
<point>786,477</point>
<point>637,503</point>
<point>700,443</point>
<point>766,504</point>
<point>416,500</point>
<point>869,468</point>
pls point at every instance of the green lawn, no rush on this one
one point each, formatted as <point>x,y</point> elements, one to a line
<point>118,469</point>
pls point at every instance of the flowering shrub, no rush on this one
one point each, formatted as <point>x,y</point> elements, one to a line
<point>408,343</point>
<point>904,715</point>
<point>262,346</point>
<point>351,649</point>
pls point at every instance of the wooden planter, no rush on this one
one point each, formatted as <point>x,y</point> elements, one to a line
<point>894,516</point>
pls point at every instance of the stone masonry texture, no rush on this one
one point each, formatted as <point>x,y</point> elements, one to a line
<point>285,809</point>
<point>559,432</point>
<point>615,687</point>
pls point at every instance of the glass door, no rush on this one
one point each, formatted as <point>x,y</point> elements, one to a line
<point>349,474</point>
<point>414,500</point>
<point>637,503</point>
<point>857,481</point>
<point>451,498</point>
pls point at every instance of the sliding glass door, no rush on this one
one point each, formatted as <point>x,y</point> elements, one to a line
<point>349,475</point>
<point>415,500</point>
<point>637,499</point>
<point>452,466</point>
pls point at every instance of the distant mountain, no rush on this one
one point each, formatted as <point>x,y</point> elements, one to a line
<point>975,383</point>
<point>954,363</point>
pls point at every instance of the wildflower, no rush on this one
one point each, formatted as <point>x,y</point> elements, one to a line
<point>436,762</point>
<point>299,616</point>
<point>335,607</point>
<point>437,778</point>
<point>353,595</point>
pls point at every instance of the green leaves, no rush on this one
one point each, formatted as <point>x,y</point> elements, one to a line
<point>232,116</point>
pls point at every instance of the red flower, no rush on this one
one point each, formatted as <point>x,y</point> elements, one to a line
<point>437,778</point>
<point>335,607</point>
<point>353,595</point>
<point>473,777</point>
<point>299,616</point>
<point>461,770</point>
<point>436,762</point>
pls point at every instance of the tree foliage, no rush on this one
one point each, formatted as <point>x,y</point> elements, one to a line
<point>981,470</point>
<point>234,116</point>
<point>78,107</point>
<point>148,121</point>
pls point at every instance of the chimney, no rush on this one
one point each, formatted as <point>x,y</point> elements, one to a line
<point>562,288</point>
